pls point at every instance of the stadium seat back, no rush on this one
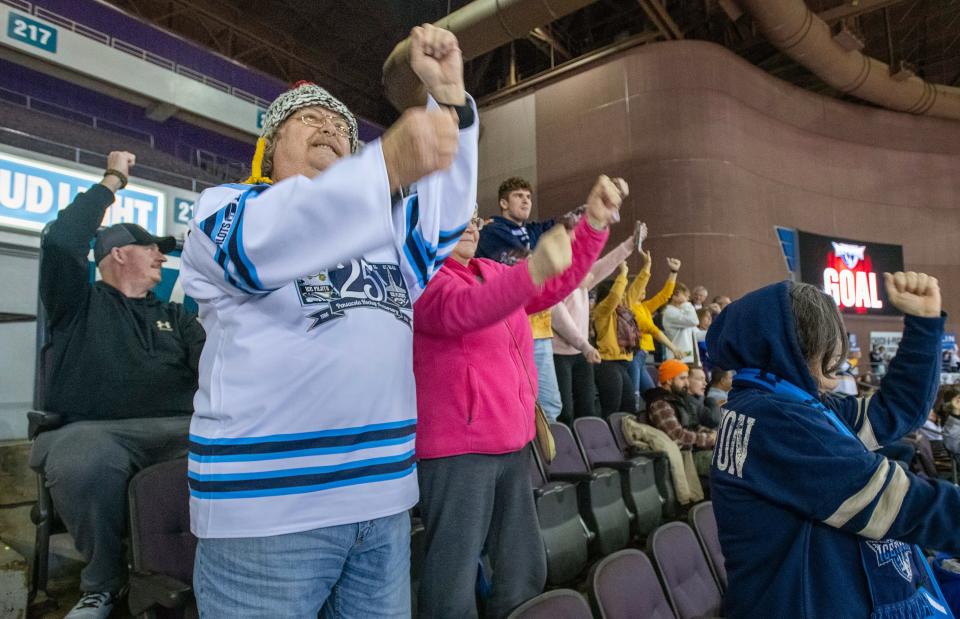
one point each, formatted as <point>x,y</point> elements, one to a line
<point>625,586</point>
<point>704,524</point>
<point>687,579</point>
<point>599,493</point>
<point>556,604</point>
<point>637,475</point>
<point>162,546</point>
<point>565,537</point>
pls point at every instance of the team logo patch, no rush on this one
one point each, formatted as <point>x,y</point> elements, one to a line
<point>359,284</point>
<point>850,254</point>
<point>897,553</point>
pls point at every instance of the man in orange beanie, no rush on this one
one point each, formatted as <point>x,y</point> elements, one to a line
<point>675,374</point>
<point>668,410</point>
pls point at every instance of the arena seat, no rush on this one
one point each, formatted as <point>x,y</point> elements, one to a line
<point>43,513</point>
<point>625,586</point>
<point>598,491</point>
<point>661,465</point>
<point>556,604</point>
<point>418,549</point>
<point>704,524</point>
<point>161,544</point>
<point>683,568</point>
<point>565,536</point>
<point>637,476</point>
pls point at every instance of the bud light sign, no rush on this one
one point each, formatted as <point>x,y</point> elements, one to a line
<point>32,193</point>
<point>850,271</point>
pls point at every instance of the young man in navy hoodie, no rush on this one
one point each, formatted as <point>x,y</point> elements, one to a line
<point>812,521</point>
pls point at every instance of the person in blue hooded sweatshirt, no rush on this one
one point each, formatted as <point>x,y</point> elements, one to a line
<point>813,522</point>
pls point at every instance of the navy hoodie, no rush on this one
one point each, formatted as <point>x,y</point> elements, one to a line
<point>505,241</point>
<point>808,518</point>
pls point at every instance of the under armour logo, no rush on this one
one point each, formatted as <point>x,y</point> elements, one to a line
<point>164,325</point>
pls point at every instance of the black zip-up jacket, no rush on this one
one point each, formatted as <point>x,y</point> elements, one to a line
<point>111,357</point>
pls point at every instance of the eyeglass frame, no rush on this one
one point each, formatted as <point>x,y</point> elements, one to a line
<point>340,127</point>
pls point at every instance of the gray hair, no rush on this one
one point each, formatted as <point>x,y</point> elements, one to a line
<point>819,327</point>
<point>270,147</point>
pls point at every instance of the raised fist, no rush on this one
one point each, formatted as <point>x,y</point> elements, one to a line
<point>603,203</point>
<point>916,294</point>
<point>552,256</point>
<point>436,59</point>
<point>421,142</point>
<point>120,161</point>
<point>624,268</point>
<point>674,264</point>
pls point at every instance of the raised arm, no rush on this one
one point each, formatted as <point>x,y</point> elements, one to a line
<point>663,297</point>
<point>450,308</point>
<point>842,485</point>
<point>909,387</point>
<point>64,274</point>
<point>606,265</point>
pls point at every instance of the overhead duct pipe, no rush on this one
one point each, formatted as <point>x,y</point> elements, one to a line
<point>796,31</point>
<point>480,26</point>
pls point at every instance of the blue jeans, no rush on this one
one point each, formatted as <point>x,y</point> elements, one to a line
<point>642,381</point>
<point>352,570</point>
<point>548,392</point>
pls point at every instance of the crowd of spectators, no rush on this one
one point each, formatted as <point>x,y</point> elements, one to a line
<point>482,322</point>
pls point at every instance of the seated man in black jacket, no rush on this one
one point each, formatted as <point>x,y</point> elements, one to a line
<point>123,376</point>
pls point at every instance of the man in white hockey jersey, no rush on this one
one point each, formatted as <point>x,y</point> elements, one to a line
<point>301,466</point>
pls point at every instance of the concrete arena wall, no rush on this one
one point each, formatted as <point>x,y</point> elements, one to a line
<point>718,152</point>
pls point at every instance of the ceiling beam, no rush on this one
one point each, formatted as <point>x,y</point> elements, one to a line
<point>545,36</point>
<point>657,14</point>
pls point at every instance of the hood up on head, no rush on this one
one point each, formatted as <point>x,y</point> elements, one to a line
<point>759,331</point>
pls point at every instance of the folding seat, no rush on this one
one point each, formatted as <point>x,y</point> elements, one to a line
<point>418,550</point>
<point>565,536</point>
<point>625,586</point>
<point>683,568</point>
<point>661,466</point>
<point>637,477</point>
<point>556,604</point>
<point>162,546</point>
<point>598,491</point>
<point>704,524</point>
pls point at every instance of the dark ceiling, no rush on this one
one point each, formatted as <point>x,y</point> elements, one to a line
<point>343,43</point>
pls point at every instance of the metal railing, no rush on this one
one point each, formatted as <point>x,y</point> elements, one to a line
<point>134,50</point>
<point>34,143</point>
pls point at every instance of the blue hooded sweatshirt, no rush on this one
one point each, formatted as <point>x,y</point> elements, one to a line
<point>505,241</point>
<point>812,521</point>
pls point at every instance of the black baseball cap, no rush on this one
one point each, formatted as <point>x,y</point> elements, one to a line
<point>120,235</point>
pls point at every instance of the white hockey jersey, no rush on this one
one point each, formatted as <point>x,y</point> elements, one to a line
<point>306,412</point>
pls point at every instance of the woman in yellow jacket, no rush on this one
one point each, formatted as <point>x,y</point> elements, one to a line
<point>643,310</point>
<point>616,345</point>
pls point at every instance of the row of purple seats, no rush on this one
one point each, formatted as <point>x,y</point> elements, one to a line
<point>625,584</point>
<point>637,472</point>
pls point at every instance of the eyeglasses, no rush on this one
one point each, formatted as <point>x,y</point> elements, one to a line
<point>319,119</point>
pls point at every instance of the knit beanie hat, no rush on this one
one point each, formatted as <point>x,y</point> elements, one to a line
<point>303,94</point>
<point>670,369</point>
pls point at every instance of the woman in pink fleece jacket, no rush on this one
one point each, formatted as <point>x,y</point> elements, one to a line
<point>476,387</point>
